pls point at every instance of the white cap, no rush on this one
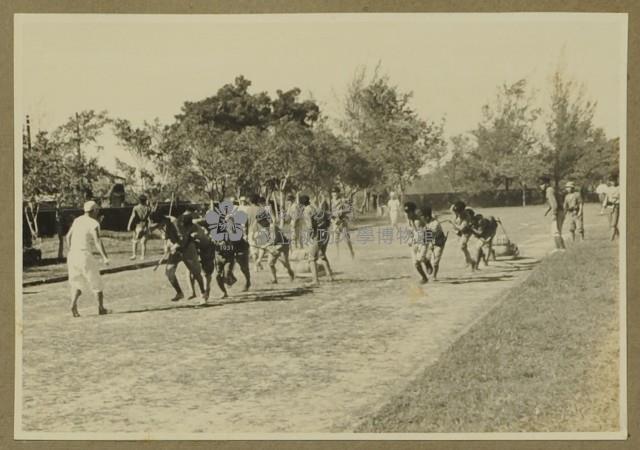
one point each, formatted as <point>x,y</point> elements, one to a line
<point>90,206</point>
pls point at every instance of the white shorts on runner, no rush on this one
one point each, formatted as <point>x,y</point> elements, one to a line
<point>84,272</point>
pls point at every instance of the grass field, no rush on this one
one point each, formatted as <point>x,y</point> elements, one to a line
<point>291,358</point>
<point>545,360</point>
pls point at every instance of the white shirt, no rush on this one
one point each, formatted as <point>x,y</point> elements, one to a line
<point>394,205</point>
<point>82,234</point>
<point>602,188</point>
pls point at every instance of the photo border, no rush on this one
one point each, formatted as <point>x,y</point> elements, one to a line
<point>12,197</point>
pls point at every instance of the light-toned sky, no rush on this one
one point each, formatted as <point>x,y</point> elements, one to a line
<point>141,67</point>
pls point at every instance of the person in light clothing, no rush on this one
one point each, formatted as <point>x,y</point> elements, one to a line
<point>554,207</point>
<point>83,268</point>
<point>394,209</point>
<point>601,190</point>
<point>573,207</point>
<point>612,201</point>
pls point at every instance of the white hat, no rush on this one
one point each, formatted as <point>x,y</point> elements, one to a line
<point>571,184</point>
<point>90,206</point>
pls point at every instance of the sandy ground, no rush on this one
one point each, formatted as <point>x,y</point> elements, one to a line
<point>284,359</point>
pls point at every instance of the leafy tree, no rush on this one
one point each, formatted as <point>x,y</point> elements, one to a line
<point>139,143</point>
<point>569,128</point>
<point>382,126</point>
<point>286,106</point>
<point>81,130</point>
<point>598,160</point>
<point>232,108</point>
<point>506,141</point>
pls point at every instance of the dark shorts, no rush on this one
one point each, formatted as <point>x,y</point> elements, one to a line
<point>207,260</point>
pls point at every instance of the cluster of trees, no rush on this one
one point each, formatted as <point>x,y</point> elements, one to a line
<point>515,142</point>
<point>237,142</point>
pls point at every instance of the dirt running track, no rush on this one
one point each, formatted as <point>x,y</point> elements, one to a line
<point>285,359</point>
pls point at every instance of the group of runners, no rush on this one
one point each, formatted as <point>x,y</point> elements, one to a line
<point>475,232</point>
<point>242,232</point>
<point>232,233</point>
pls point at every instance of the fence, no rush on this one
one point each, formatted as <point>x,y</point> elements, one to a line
<point>486,199</point>
<point>112,219</point>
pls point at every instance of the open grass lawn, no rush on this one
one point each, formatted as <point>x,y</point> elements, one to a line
<point>545,360</point>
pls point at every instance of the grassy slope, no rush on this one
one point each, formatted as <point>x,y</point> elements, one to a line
<point>544,360</point>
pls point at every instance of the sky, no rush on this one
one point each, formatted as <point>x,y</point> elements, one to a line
<point>142,67</point>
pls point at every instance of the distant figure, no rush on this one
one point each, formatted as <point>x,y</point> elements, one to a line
<point>294,216</point>
<point>574,207</point>
<point>139,220</point>
<point>612,201</point>
<point>83,269</point>
<point>394,209</point>
<point>601,190</point>
<point>341,212</point>
<point>556,210</point>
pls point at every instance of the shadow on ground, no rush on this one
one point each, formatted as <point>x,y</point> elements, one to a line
<point>245,297</point>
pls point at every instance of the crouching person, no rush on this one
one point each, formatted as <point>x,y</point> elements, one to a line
<point>180,248</point>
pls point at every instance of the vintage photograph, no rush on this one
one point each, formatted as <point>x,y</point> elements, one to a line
<point>320,226</point>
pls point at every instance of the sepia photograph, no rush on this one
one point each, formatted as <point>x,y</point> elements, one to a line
<point>320,226</point>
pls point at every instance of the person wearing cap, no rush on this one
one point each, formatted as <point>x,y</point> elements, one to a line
<point>393,205</point>
<point>83,268</point>
<point>341,211</point>
<point>555,207</point>
<point>573,207</point>
<point>139,225</point>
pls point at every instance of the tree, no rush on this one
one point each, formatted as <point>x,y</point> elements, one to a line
<point>233,108</point>
<point>506,140</point>
<point>139,143</point>
<point>43,175</point>
<point>286,106</point>
<point>385,130</point>
<point>598,160</point>
<point>569,128</point>
<point>81,130</point>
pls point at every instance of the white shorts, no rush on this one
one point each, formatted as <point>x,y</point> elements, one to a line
<point>84,271</point>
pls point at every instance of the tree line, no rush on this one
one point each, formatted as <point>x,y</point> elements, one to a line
<point>237,142</point>
<point>516,142</point>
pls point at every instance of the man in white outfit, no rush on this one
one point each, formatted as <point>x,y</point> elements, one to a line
<point>394,209</point>
<point>83,268</point>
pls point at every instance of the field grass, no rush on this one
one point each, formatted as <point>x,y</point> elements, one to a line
<point>544,360</point>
